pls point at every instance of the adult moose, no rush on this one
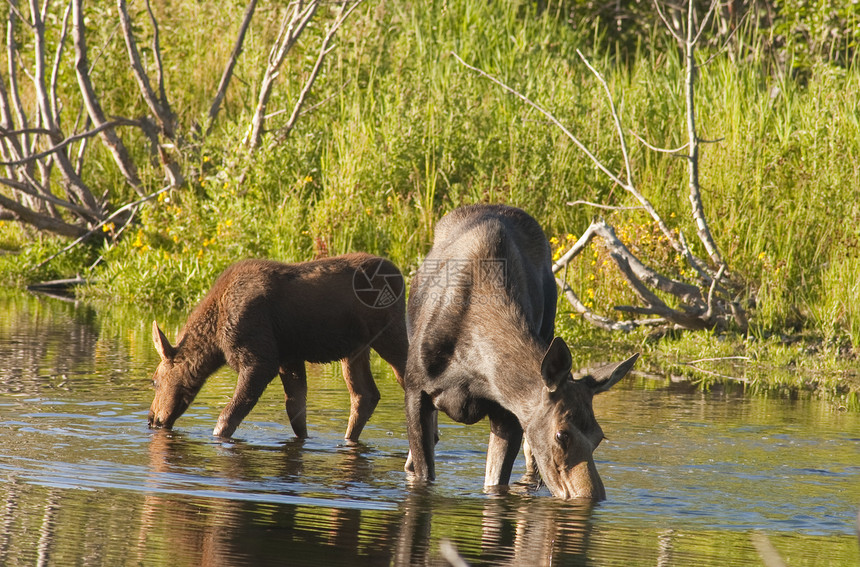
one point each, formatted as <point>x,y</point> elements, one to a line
<point>481,318</point>
<point>266,318</point>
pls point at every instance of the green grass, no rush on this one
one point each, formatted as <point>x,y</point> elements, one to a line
<point>403,134</point>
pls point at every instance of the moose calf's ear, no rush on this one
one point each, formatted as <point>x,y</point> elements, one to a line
<point>607,376</point>
<point>556,364</point>
<point>162,345</point>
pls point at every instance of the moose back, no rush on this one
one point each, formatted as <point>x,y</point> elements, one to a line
<point>266,319</point>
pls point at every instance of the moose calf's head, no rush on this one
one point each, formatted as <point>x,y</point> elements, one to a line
<point>174,383</point>
<point>563,432</point>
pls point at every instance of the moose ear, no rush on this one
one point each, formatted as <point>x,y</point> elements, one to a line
<point>162,345</point>
<point>556,364</point>
<point>607,376</point>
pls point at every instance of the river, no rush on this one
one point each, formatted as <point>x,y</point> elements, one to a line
<point>691,477</point>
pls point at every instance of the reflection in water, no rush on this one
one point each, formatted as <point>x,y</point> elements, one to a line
<point>226,532</point>
<point>514,530</point>
<point>689,474</point>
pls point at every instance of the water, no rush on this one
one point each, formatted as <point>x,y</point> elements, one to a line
<point>690,476</point>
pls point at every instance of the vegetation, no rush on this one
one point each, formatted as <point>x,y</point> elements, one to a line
<point>396,133</point>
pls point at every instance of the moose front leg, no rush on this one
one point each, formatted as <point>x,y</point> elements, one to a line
<point>363,393</point>
<point>532,475</point>
<point>295,381</point>
<point>252,381</point>
<point>421,430</point>
<point>506,436</point>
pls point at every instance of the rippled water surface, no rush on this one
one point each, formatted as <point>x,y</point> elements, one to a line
<point>690,476</point>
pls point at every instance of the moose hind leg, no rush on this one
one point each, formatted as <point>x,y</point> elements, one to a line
<point>252,381</point>
<point>363,393</point>
<point>393,346</point>
<point>295,381</point>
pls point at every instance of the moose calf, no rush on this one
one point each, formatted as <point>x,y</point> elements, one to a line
<point>266,318</point>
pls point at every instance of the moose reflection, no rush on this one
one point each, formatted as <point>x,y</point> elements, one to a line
<point>513,529</point>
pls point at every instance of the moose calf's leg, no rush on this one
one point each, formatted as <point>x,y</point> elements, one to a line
<point>506,436</point>
<point>295,383</point>
<point>363,393</point>
<point>252,381</point>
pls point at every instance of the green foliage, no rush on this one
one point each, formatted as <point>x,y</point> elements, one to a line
<point>400,133</point>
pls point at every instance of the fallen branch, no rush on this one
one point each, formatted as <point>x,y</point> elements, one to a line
<point>96,228</point>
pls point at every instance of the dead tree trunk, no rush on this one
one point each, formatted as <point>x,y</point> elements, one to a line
<point>43,149</point>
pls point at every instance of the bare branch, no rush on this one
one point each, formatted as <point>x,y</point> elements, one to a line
<point>32,189</point>
<point>73,182</point>
<point>714,4</point>
<point>710,313</point>
<point>615,118</point>
<point>629,187</point>
<point>702,229</point>
<point>656,149</point>
<point>11,59</point>
<point>94,109</point>
<point>231,64</point>
<point>576,249</point>
<point>654,304</point>
<point>292,26</point>
<point>607,207</point>
<point>549,117</point>
<point>55,72</point>
<point>667,24</point>
<point>71,139</point>
<point>156,50</point>
<point>598,320</point>
<point>161,111</point>
<point>695,312</point>
<point>345,10</point>
<point>13,5</point>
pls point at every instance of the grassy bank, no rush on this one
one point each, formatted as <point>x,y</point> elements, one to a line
<point>403,133</point>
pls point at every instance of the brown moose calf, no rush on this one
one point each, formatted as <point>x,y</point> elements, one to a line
<point>266,318</point>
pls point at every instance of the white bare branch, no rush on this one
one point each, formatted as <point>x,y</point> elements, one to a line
<point>345,10</point>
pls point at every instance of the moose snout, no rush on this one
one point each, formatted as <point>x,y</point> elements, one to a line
<point>579,481</point>
<point>159,422</point>
<point>583,482</point>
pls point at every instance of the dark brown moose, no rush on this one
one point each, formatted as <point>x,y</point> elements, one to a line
<point>266,318</point>
<point>481,318</point>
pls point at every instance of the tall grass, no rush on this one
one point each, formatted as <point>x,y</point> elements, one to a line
<point>404,134</point>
